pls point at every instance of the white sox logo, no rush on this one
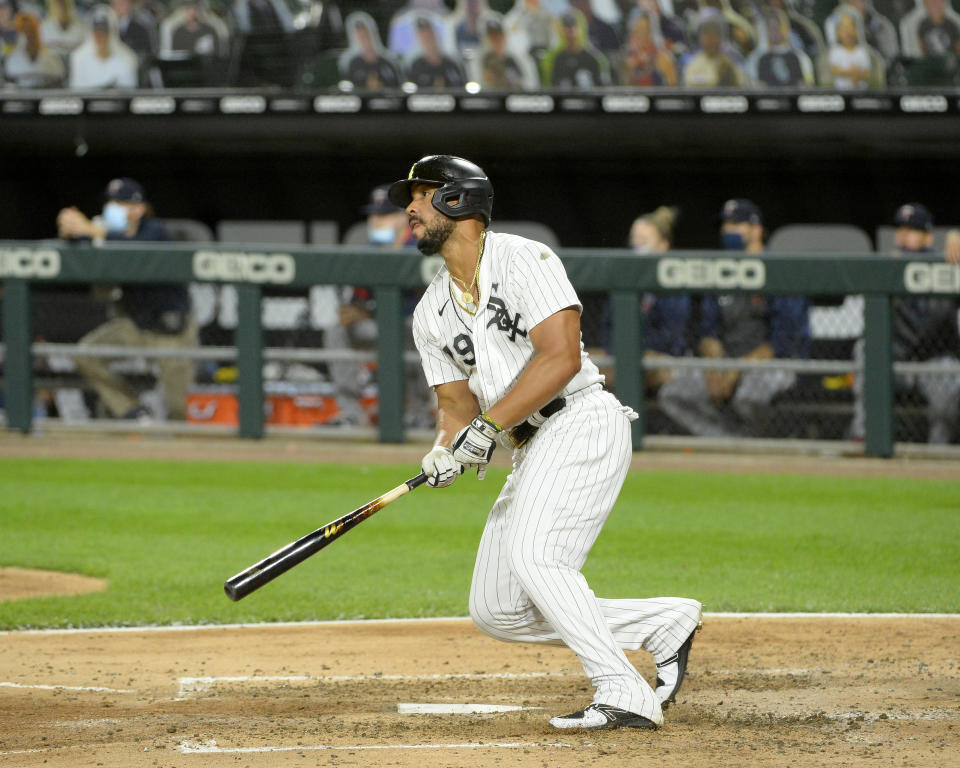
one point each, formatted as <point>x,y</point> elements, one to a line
<point>501,318</point>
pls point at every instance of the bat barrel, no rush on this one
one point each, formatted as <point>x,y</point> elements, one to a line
<point>270,567</point>
<point>281,561</point>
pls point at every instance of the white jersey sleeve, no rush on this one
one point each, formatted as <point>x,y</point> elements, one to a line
<point>538,283</point>
<point>439,366</point>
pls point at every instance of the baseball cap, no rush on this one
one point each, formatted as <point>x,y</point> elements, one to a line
<point>380,201</point>
<point>711,17</point>
<point>100,18</point>
<point>125,190</point>
<point>740,210</point>
<point>914,216</point>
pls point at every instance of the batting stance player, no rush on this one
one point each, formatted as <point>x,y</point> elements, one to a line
<point>498,331</point>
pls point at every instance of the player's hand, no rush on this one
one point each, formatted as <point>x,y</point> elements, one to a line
<point>351,314</point>
<point>474,444</point>
<point>72,223</point>
<point>721,384</point>
<point>440,467</point>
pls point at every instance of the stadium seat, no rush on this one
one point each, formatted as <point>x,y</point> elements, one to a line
<point>176,70</point>
<point>261,232</point>
<point>831,317</point>
<point>356,234</point>
<point>819,238</point>
<point>189,230</point>
<point>532,229</point>
<point>324,232</point>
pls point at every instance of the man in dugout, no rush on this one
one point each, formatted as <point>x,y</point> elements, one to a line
<point>144,315</point>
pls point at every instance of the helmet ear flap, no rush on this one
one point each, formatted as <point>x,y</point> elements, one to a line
<point>466,197</point>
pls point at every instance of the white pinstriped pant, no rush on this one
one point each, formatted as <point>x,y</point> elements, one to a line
<point>527,584</point>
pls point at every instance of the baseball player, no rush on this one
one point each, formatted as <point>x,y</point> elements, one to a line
<point>498,331</point>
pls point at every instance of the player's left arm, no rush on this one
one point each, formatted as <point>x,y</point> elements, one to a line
<point>556,360</point>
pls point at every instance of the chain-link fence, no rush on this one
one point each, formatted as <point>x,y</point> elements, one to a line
<point>812,391</point>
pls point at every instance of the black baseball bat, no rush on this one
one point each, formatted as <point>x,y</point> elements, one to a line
<point>281,561</point>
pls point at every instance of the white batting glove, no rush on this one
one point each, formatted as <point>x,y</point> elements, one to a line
<point>440,467</point>
<point>475,443</point>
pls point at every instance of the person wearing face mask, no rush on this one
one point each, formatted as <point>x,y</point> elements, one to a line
<point>144,315</point>
<point>665,316</point>
<point>386,227</point>
<point>748,326</point>
<point>924,330</point>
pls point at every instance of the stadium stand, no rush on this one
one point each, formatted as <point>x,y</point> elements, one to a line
<point>513,47</point>
<point>324,232</point>
<point>189,231</point>
<point>264,232</point>
<point>819,238</point>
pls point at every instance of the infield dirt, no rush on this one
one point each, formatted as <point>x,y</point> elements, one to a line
<point>759,691</point>
<point>810,691</point>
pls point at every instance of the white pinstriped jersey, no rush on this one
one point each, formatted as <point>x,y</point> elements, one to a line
<point>522,282</point>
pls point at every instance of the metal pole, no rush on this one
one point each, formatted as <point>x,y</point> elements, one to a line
<point>628,351</point>
<point>390,378</point>
<point>18,363</point>
<point>878,376</point>
<point>250,360</point>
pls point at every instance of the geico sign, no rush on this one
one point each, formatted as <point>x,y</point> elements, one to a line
<point>711,273</point>
<point>244,267</point>
<point>929,277</point>
<point>26,262</point>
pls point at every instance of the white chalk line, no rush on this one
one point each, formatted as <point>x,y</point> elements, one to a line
<point>67,688</point>
<point>194,685</point>
<point>465,620</point>
<point>449,708</point>
<point>211,747</point>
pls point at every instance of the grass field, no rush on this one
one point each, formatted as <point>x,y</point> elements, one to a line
<point>167,534</point>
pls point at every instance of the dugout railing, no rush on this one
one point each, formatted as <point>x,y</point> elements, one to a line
<point>621,274</point>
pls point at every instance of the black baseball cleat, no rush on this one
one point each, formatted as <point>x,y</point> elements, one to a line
<point>670,672</point>
<point>599,716</point>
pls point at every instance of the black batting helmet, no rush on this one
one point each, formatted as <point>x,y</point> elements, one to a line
<point>464,189</point>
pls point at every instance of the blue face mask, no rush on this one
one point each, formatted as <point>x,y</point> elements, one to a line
<point>732,241</point>
<point>381,235</point>
<point>115,217</point>
<point>916,250</point>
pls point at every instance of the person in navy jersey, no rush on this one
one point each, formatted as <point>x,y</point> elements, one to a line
<point>723,403</point>
<point>146,315</point>
<point>924,330</point>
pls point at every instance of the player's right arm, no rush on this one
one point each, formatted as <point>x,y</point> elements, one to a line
<point>456,404</point>
<point>456,407</point>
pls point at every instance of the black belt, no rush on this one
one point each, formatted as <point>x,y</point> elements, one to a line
<point>521,434</point>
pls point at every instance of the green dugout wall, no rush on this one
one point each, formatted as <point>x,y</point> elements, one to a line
<point>621,273</point>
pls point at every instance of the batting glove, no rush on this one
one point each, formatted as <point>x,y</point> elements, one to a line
<point>440,467</point>
<point>474,444</point>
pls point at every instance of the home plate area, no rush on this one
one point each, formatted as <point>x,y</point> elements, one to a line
<point>797,691</point>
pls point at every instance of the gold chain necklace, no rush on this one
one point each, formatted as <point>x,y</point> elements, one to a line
<point>467,296</point>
